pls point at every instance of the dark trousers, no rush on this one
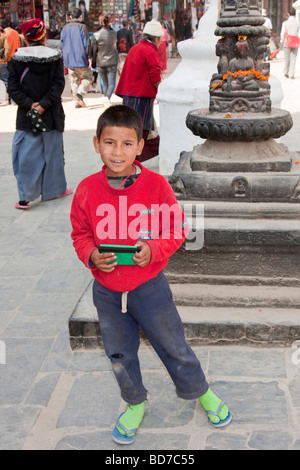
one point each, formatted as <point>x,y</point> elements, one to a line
<point>151,307</point>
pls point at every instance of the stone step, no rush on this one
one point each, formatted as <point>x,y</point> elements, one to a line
<point>206,295</point>
<point>210,315</point>
<point>244,210</point>
<point>231,280</point>
<point>246,264</point>
<point>242,223</point>
<point>226,325</point>
<point>243,232</point>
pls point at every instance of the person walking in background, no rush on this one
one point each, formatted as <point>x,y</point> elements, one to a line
<point>187,25</point>
<point>290,32</point>
<point>14,44</point>
<point>162,50</point>
<point>269,26</point>
<point>139,81</point>
<point>124,43</point>
<point>4,52</point>
<point>105,58</point>
<point>75,44</point>
<point>36,82</point>
<point>12,37</point>
<point>136,36</point>
<point>15,25</point>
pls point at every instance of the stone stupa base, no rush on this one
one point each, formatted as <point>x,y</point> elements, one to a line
<point>238,171</point>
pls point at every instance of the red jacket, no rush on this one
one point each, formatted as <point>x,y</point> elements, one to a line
<point>101,214</point>
<point>140,72</point>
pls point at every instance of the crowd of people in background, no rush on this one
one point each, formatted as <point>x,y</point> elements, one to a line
<point>34,76</point>
<point>136,63</point>
<point>93,61</point>
<point>97,58</point>
<point>115,37</point>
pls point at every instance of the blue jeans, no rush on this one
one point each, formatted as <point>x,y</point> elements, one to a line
<point>151,307</point>
<point>4,74</point>
<point>108,76</point>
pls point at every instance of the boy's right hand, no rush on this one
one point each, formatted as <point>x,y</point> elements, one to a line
<point>101,260</point>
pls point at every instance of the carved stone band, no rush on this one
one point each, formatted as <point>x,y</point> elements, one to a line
<point>245,127</point>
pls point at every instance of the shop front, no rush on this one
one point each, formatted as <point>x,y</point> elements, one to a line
<point>53,12</point>
<point>17,11</point>
<point>179,13</point>
<point>277,12</point>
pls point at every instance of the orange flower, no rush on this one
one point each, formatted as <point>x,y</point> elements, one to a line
<point>244,73</point>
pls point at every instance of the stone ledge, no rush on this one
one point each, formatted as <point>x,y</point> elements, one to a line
<point>208,326</point>
<point>243,210</point>
<point>212,324</point>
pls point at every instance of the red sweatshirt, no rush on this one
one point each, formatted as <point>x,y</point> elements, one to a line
<point>101,214</point>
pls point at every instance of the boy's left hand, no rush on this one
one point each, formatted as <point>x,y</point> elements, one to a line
<point>142,258</point>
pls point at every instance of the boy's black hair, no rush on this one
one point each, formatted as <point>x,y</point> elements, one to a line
<point>120,115</point>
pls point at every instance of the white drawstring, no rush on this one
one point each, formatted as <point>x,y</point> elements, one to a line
<point>124,302</point>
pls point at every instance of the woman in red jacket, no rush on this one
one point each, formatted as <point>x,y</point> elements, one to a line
<point>139,80</point>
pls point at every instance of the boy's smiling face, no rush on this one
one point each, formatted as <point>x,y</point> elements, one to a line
<point>118,148</point>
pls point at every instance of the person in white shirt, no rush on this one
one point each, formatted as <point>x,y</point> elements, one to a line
<point>269,26</point>
<point>289,27</point>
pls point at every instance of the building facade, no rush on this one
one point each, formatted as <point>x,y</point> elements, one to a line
<point>52,11</point>
<point>183,15</point>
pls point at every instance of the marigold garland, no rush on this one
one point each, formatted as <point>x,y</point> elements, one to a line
<point>244,73</point>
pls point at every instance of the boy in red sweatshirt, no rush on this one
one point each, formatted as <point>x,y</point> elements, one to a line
<point>127,204</point>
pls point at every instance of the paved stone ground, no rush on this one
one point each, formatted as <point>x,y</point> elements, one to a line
<point>54,398</point>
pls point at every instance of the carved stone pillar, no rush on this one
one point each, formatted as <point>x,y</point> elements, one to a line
<point>240,124</point>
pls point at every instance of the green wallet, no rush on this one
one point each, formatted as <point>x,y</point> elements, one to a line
<point>124,253</point>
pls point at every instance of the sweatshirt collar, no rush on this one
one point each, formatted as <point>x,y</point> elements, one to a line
<point>125,190</point>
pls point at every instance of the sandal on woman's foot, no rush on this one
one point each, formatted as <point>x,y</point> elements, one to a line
<point>22,206</point>
<point>67,193</point>
<point>126,438</point>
